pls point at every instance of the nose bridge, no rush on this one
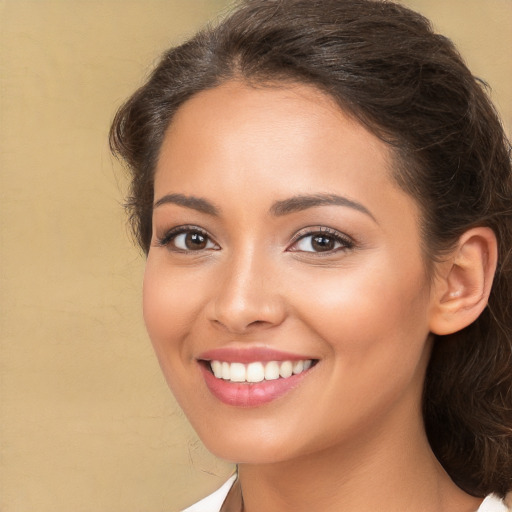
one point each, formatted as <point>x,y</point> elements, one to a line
<point>246,296</point>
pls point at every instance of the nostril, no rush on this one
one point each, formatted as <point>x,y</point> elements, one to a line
<point>257,323</point>
<point>241,328</point>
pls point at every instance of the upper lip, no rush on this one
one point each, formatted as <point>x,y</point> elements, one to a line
<point>249,355</point>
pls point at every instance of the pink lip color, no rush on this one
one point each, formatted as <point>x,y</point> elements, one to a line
<point>249,355</point>
<point>249,395</point>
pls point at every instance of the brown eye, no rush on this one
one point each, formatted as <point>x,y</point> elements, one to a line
<point>188,239</point>
<point>322,243</point>
<point>195,241</point>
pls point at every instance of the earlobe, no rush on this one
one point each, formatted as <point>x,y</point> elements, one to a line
<point>463,282</point>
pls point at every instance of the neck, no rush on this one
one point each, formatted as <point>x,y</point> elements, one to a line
<point>379,471</point>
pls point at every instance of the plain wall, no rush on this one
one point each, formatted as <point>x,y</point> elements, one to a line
<point>86,420</point>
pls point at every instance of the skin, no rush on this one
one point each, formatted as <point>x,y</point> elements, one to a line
<point>350,436</point>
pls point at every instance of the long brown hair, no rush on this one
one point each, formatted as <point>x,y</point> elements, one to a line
<point>386,67</point>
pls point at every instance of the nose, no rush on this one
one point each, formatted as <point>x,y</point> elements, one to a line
<point>246,297</point>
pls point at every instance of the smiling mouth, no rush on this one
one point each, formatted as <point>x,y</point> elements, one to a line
<point>258,371</point>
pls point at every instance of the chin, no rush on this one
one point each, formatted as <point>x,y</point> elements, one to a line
<point>246,446</point>
<point>247,453</point>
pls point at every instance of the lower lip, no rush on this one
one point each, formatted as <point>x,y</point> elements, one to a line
<point>243,394</point>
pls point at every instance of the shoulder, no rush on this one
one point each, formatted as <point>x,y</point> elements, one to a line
<point>213,502</point>
<point>493,504</point>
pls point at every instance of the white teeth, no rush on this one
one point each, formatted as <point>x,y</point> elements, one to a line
<point>298,367</point>
<point>217,369</point>
<point>255,372</point>
<point>237,372</point>
<point>286,369</point>
<point>258,371</point>
<point>272,370</point>
<point>226,373</point>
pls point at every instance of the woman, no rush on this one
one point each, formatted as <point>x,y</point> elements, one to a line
<point>323,192</point>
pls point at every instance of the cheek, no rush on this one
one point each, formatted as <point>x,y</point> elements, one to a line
<point>376,332</point>
<point>169,307</point>
<point>370,311</point>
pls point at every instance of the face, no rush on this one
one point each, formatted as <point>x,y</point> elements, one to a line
<point>285,291</point>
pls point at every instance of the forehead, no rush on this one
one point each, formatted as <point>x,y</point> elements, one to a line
<point>289,129</point>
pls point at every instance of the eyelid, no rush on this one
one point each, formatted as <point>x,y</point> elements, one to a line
<point>346,241</point>
<point>171,234</point>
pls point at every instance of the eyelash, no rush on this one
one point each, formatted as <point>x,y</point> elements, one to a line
<point>344,241</point>
<point>171,235</point>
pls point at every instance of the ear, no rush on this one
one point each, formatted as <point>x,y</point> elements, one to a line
<point>463,281</point>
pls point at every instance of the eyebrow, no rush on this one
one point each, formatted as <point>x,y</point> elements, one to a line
<point>194,203</point>
<point>303,202</point>
<point>278,209</point>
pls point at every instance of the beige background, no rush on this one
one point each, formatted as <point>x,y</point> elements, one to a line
<point>86,421</point>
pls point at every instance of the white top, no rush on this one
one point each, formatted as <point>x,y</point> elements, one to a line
<point>213,502</point>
